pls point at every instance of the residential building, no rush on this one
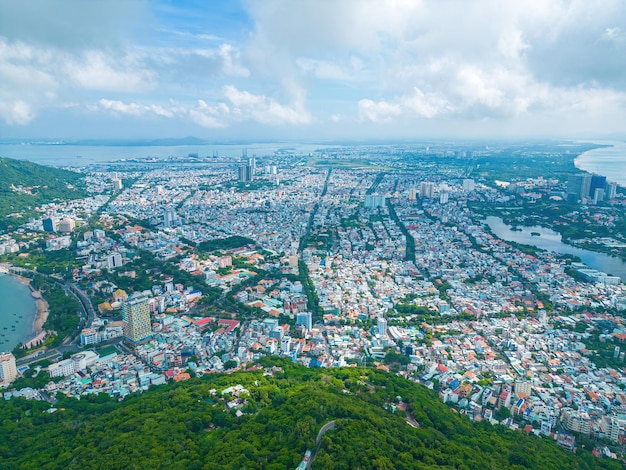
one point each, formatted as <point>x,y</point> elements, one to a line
<point>305,319</point>
<point>67,225</point>
<point>8,370</point>
<point>136,317</point>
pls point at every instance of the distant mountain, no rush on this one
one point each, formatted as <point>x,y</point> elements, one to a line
<point>268,419</point>
<point>25,185</point>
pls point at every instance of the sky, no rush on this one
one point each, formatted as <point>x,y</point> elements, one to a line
<point>312,69</point>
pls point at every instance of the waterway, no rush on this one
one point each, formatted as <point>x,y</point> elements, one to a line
<point>17,313</point>
<point>551,241</point>
<point>606,161</point>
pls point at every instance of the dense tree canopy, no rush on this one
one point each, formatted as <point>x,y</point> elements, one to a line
<point>186,426</point>
<point>21,189</point>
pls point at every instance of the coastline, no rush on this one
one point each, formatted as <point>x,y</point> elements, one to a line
<point>43,308</point>
<point>602,160</point>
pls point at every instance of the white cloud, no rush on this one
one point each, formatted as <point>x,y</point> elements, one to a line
<point>135,109</point>
<point>211,117</point>
<point>98,71</point>
<point>378,112</point>
<point>313,63</point>
<point>266,110</point>
<point>16,112</point>
<point>416,104</point>
<point>449,60</point>
<point>239,106</point>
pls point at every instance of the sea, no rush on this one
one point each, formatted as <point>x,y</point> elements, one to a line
<point>63,155</point>
<point>607,161</point>
<point>17,313</point>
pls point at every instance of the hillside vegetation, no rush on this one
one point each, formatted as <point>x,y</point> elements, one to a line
<point>25,185</point>
<point>188,426</point>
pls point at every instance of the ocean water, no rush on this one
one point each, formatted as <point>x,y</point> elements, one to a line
<point>83,155</point>
<point>608,161</point>
<point>17,313</point>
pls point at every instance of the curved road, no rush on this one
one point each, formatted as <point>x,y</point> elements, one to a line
<point>87,316</point>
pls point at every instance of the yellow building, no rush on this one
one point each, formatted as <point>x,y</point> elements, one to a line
<point>136,316</point>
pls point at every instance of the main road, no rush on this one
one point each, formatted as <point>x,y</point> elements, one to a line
<point>86,312</point>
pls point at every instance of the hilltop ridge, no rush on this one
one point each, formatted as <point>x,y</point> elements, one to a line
<point>25,185</point>
<point>268,417</point>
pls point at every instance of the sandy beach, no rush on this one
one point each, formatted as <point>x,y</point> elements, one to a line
<point>42,315</point>
<point>42,306</point>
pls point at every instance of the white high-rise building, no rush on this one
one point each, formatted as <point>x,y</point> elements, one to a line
<point>8,369</point>
<point>170,219</point>
<point>443,197</point>
<point>114,260</point>
<point>468,184</point>
<point>305,319</point>
<point>382,326</point>
<point>611,190</point>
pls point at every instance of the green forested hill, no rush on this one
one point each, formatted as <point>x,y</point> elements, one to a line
<point>35,184</point>
<point>186,426</point>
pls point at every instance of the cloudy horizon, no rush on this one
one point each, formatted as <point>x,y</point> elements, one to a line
<point>312,69</point>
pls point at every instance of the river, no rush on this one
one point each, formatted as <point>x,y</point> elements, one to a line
<point>17,313</point>
<point>551,241</point>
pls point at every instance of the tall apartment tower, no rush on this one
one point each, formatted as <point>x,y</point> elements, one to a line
<point>611,190</point>
<point>427,189</point>
<point>469,184</point>
<point>136,316</point>
<point>597,182</point>
<point>382,326</point>
<point>305,319</point>
<point>579,186</point>
<point>8,369</point>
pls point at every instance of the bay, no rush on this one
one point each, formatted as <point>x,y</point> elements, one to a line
<point>83,155</point>
<point>17,313</point>
<point>551,241</point>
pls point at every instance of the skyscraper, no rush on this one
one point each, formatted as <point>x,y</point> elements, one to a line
<point>170,218</point>
<point>469,184</point>
<point>578,186</point>
<point>8,370</point>
<point>382,326</point>
<point>427,189</point>
<point>611,190</point>
<point>48,224</point>
<point>246,173</point>
<point>597,182</point>
<point>136,316</point>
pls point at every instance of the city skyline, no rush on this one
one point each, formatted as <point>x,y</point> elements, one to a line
<point>312,70</point>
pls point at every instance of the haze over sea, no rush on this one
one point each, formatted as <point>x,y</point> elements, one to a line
<point>609,161</point>
<point>606,161</point>
<point>82,155</point>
